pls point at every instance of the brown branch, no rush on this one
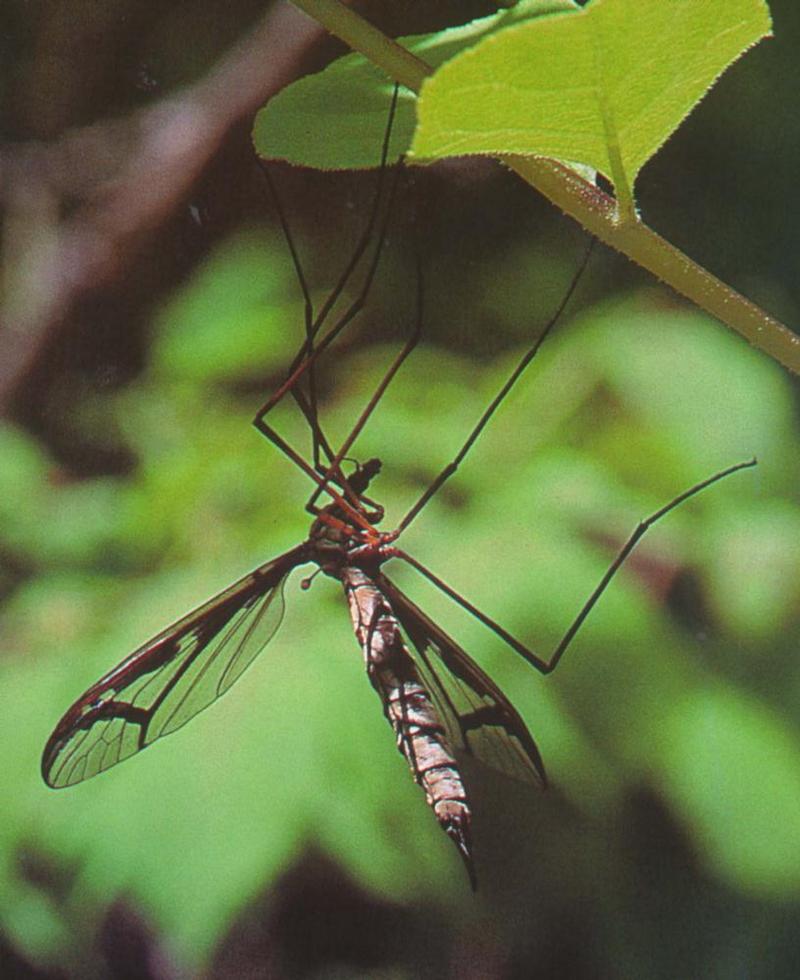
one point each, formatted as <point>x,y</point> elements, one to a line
<point>128,175</point>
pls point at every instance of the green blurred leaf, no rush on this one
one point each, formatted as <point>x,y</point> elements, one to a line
<point>85,523</point>
<point>24,487</point>
<point>30,920</point>
<point>755,571</point>
<point>711,391</point>
<point>24,468</point>
<point>732,770</point>
<point>231,320</point>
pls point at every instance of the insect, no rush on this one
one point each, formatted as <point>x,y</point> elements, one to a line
<point>438,701</point>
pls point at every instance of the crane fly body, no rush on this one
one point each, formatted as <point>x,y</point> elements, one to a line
<point>162,685</point>
<point>440,704</point>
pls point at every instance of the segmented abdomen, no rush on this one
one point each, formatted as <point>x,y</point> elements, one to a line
<point>409,708</point>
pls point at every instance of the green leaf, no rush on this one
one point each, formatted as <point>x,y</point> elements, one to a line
<point>229,321</point>
<point>708,382</point>
<point>755,572</point>
<point>24,489</point>
<point>336,119</point>
<point>604,86</point>
<point>733,770</point>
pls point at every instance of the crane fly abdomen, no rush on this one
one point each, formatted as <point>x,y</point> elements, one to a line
<point>420,733</point>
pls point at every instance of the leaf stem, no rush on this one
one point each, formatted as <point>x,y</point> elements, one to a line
<point>597,212</point>
<point>584,202</point>
<point>361,36</point>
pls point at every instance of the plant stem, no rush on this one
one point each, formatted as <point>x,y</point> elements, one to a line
<point>361,36</point>
<point>597,212</point>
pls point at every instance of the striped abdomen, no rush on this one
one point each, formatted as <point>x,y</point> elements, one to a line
<point>408,706</point>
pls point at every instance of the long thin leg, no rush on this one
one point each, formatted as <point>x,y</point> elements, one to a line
<point>305,358</point>
<point>307,406</point>
<point>410,344</point>
<point>349,509</point>
<point>309,409</point>
<point>365,238</point>
<point>312,324</point>
<point>546,666</point>
<point>451,467</point>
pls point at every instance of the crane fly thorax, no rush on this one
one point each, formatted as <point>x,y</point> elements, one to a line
<point>335,535</point>
<point>334,538</point>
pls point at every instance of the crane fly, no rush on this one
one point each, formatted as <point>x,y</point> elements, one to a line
<point>440,704</point>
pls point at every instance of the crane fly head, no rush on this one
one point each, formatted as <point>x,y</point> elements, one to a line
<point>363,475</point>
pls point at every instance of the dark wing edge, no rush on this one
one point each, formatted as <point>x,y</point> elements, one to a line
<point>479,718</point>
<point>171,678</point>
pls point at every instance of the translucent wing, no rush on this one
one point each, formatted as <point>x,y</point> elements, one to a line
<point>479,718</point>
<point>164,683</point>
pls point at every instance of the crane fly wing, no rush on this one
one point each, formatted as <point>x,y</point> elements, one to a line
<point>177,674</point>
<point>479,718</point>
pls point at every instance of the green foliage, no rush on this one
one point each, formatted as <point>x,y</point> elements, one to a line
<point>603,86</point>
<point>682,687</point>
<point>601,433</point>
<point>298,125</point>
<point>227,324</point>
<point>717,744</point>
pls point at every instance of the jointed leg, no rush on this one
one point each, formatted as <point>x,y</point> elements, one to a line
<point>351,511</point>
<point>410,344</point>
<point>451,467</point>
<point>307,406</point>
<point>304,361</point>
<point>546,666</point>
<point>307,357</point>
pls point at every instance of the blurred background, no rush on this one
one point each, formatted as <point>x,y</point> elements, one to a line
<point>150,306</point>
